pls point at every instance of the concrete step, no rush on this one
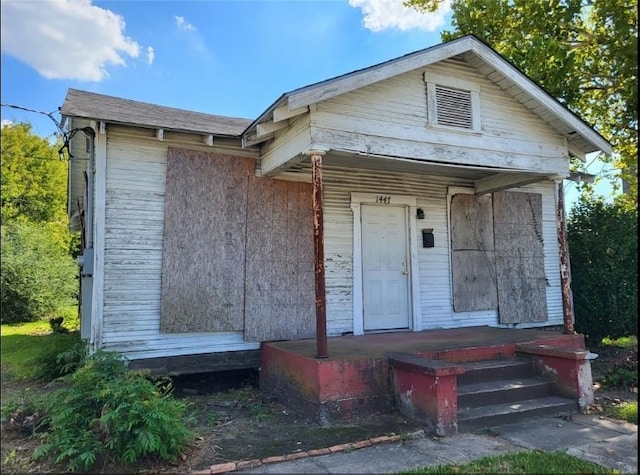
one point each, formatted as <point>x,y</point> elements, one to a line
<point>507,413</point>
<point>506,391</point>
<point>495,370</point>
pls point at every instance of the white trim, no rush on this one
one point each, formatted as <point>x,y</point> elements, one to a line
<point>414,269</point>
<point>358,320</point>
<point>97,301</point>
<point>449,81</point>
<point>382,199</point>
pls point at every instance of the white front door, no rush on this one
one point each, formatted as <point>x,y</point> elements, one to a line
<point>385,268</point>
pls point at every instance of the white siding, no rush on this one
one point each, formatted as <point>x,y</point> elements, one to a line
<point>134,227</point>
<point>390,117</point>
<point>133,254</point>
<point>434,268</point>
<point>76,181</point>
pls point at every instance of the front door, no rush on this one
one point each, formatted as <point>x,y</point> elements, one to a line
<point>385,267</point>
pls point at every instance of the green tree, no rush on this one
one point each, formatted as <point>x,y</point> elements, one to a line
<point>38,276</point>
<point>603,239</point>
<point>34,179</point>
<point>38,272</point>
<point>583,52</point>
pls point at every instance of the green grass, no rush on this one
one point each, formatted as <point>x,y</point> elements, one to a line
<point>626,342</point>
<point>533,462</point>
<point>627,411</point>
<point>24,343</point>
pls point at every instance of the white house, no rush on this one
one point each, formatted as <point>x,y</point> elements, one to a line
<point>437,174</point>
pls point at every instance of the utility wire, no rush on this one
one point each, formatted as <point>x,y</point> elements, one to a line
<point>15,155</point>
<point>48,114</point>
<point>66,136</point>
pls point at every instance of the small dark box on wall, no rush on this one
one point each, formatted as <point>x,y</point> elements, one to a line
<point>427,238</point>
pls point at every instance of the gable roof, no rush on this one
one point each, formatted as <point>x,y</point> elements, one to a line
<point>581,137</point>
<point>94,106</point>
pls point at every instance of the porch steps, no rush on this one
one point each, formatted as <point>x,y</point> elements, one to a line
<point>496,392</point>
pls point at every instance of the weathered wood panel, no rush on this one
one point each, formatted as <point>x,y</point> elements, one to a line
<point>472,253</point>
<point>471,222</point>
<point>203,251</point>
<point>520,257</point>
<point>280,279</point>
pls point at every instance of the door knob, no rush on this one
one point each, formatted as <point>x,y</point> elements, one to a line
<point>405,271</point>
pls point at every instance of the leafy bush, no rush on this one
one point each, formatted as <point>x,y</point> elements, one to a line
<point>38,275</point>
<point>622,376</point>
<point>111,412</point>
<point>66,354</point>
<point>603,243</point>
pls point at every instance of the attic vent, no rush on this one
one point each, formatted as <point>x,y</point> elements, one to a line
<point>453,107</point>
<point>452,102</point>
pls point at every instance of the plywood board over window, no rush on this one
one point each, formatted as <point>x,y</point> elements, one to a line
<point>519,257</point>
<point>280,296</point>
<point>497,255</point>
<point>204,251</point>
<point>472,253</point>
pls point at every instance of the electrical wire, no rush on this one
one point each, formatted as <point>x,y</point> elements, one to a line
<point>66,136</point>
<point>14,155</point>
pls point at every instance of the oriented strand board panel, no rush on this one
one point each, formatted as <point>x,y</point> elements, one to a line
<point>519,245</point>
<point>204,242</point>
<point>472,254</point>
<point>280,282</point>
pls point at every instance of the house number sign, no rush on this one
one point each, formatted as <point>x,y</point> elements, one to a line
<point>383,199</point>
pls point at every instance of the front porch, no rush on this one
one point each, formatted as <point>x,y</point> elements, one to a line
<point>361,374</point>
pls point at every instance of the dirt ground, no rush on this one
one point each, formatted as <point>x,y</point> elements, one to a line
<point>234,421</point>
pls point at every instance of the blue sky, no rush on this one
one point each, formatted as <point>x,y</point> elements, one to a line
<point>230,58</point>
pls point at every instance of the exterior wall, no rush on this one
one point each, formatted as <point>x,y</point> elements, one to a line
<point>76,181</point>
<point>434,266</point>
<point>135,184</point>
<point>134,216</point>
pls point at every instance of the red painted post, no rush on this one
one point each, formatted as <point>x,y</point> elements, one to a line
<point>565,279</point>
<point>318,245</point>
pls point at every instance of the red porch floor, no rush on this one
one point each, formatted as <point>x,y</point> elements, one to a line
<point>356,377</point>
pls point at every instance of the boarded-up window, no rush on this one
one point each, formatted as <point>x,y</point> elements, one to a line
<point>204,232</point>
<point>472,253</point>
<point>497,255</point>
<point>238,250</point>
<point>519,245</point>
<point>280,291</point>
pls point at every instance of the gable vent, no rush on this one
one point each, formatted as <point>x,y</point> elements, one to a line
<point>454,108</point>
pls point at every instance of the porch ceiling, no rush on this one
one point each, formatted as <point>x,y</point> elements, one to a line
<point>484,179</point>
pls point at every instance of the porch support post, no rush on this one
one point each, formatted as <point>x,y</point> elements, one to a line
<point>563,247</point>
<point>318,245</point>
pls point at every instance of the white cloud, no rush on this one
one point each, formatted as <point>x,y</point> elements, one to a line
<point>151,55</point>
<point>381,15</point>
<point>65,39</point>
<point>192,36</point>
<point>6,123</point>
<point>184,24</point>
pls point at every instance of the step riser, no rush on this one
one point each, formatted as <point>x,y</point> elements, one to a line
<point>492,393</point>
<point>498,373</point>
<point>503,396</point>
<point>470,424</point>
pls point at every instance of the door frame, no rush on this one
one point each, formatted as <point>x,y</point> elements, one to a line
<point>385,199</point>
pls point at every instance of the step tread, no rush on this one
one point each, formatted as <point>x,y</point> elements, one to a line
<point>491,364</point>
<point>502,385</point>
<point>548,402</point>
